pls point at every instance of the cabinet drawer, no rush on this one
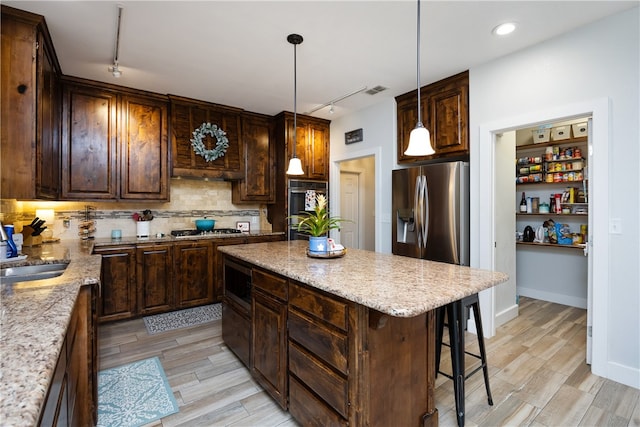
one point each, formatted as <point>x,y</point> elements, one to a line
<point>323,381</point>
<point>318,305</point>
<point>308,410</point>
<point>328,345</point>
<point>274,285</point>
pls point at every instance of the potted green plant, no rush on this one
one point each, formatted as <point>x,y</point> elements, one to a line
<point>317,224</point>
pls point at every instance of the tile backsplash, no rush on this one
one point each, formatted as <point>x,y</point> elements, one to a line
<point>190,200</point>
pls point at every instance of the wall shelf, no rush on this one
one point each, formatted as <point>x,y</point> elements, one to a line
<point>554,245</point>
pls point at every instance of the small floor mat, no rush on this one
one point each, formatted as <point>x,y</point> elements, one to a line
<point>182,318</point>
<point>134,394</point>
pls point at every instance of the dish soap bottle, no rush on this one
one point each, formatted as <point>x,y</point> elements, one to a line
<point>12,250</point>
<point>523,204</point>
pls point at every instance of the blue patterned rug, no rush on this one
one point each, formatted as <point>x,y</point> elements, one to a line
<point>135,394</point>
<point>182,318</point>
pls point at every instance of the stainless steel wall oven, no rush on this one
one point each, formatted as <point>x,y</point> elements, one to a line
<point>300,191</point>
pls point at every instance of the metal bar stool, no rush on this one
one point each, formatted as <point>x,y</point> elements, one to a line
<point>456,322</point>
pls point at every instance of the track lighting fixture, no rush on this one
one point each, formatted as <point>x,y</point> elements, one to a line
<point>114,69</point>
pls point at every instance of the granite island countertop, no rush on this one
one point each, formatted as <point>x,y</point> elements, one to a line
<point>395,285</point>
<point>34,317</point>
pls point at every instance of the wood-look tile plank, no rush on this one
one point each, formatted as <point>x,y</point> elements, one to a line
<point>566,408</point>
<point>511,412</point>
<point>599,417</point>
<point>536,355</point>
<point>617,398</point>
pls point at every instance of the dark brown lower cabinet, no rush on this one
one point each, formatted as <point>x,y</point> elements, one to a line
<point>157,277</point>
<point>72,398</point>
<point>118,278</point>
<point>193,273</point>
<point>154,277</point>
<point>269,333</point>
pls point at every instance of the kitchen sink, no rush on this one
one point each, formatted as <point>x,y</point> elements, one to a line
<point>27,273</point>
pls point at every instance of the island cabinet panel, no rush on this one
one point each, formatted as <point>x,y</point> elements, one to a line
<point>118,278</point>
<point>236,309</point>
<point>144,148</point>
<point>259,181</point>
<point>194,273</point>
<point>445,113</point>
<point>269,337</point>
<point>154,274</point>
<point>187,115</point>
<point>401,350</point>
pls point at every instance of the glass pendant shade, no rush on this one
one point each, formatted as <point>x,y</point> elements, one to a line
<point>419,142</point>
<point>295,167</point>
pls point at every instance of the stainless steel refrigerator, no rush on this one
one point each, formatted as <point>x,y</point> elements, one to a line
<point>431,212</point>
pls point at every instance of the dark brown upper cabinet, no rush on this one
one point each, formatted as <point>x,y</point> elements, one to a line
<point>259,181</point>
<point>187,115</point>
<point>445,112</point>
<point>30,131</point>
<point>114,143</point>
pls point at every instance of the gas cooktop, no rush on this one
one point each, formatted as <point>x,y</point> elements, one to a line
<point>192,232</point>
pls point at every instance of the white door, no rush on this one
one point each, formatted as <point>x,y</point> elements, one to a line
<point>505,226</point>
<point>349,209</point>
<point>589,250</point>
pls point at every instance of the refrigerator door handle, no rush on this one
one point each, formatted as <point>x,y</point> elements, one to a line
<point>416,210</point>
<point>425,211</point>
<point>421,183</point>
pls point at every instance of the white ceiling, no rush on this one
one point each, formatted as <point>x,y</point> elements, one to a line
<point>235,52</point>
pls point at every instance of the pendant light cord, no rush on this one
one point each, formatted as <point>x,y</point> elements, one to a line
<point>418,66</point>
<point>295,99</point>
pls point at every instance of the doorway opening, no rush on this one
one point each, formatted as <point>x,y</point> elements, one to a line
<point>357,203</point>
<point>484,156</point>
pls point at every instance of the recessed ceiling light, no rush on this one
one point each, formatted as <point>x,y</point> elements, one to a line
<point>504,29</point>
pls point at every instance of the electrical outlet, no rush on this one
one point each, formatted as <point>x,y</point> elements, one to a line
<point>254,219</point>
<point>615,226</point>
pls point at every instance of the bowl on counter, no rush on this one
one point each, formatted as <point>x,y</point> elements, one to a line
<point>205,224</point>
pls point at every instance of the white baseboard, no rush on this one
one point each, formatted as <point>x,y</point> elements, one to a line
<point>627,375</point>
<point>552,297</point>
<point>505,315</point>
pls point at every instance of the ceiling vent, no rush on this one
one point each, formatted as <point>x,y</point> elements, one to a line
<point>375,90</point>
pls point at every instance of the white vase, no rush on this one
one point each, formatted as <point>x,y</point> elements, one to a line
<point>142,229</point>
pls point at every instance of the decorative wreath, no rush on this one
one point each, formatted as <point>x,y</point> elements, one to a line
<point>212,130</point>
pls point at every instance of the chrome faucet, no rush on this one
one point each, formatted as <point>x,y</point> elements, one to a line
<point>3,233</point>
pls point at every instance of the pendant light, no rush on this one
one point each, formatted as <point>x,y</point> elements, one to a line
<point>295,165</point>
<point>419,139</point>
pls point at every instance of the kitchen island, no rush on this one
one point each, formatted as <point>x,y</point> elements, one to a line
<point>349,340</point>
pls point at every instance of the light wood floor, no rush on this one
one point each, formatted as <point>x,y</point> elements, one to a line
<point>537,373</point>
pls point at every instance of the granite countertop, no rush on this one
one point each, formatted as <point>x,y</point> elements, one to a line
<point>395,285</point>
<point>34,317</point>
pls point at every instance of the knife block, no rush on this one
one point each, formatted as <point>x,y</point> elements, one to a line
<point>30,240</point>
